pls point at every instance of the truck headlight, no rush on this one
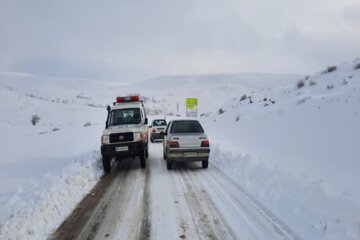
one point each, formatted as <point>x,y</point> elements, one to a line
<point>137,136</point>
<point>105,139</point>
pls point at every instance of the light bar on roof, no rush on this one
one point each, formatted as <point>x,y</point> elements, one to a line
<point>135,98</point>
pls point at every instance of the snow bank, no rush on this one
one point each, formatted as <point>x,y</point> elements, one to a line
<point>301,202</point>
<point>40,206</point>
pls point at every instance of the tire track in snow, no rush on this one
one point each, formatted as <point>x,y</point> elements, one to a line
<point>85,220</point>
<point>121,202</point>
<point>98,226</point>
<point>126,215</point>
<point>243,208</point>
<point>208,219</point>
<point>145,225</point>
<point>170,215</point>
<point>186,224</point>
<point>161,202</point>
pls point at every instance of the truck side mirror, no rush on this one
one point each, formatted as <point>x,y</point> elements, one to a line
<point>108,108</point>
<point>146,121</point>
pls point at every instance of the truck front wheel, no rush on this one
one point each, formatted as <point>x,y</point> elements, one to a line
<point>142,157</point>
<point>106,163</point>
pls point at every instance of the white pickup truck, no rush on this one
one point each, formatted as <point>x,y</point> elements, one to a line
<point>126,131</point>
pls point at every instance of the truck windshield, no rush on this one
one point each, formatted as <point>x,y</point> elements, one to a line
<point>125,116</point>
<point>186,127</point>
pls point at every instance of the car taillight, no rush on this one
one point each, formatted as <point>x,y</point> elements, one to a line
<point>153,130</point>
<point>173,144</point>
<point>205,143</point>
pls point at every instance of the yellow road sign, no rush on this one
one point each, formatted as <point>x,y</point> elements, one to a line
<point>191,103</point>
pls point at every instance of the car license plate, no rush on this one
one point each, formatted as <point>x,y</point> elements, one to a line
<point>190,154</point>
<point>121,149</point>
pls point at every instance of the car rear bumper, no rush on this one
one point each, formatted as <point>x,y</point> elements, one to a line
<point>134,149</point>
<point>156,136</point>
<point>180,154</point>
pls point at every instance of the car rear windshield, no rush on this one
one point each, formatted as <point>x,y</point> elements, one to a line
<point>160,122</point>
<point>125,116</point>
<point>186,127</point>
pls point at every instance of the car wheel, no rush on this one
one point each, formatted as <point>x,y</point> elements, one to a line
<point>143,159</point>
<point>205,163</point>
<point>168,164</point>
<point>106,163</point>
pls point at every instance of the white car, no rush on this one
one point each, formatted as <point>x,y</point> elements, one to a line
<point>157,127</point>
<point>185,141</point>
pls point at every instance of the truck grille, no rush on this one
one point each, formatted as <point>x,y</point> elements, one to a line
<point>121,137</point>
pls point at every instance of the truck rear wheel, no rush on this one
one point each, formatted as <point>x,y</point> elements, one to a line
<point>106,163</point>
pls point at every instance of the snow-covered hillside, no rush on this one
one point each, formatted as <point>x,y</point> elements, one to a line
<point>297,149</point>
<point>290,141</point>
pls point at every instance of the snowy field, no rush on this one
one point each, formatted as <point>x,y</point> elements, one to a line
<point>292,142</point>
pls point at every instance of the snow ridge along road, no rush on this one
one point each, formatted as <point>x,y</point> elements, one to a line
<point>185,203</point>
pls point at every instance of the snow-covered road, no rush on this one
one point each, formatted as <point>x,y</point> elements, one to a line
<point>185,203</point>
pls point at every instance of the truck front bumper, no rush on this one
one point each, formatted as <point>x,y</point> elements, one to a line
<point>113,150</point>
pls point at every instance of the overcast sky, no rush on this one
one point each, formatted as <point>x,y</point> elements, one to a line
<point>138,39</point>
